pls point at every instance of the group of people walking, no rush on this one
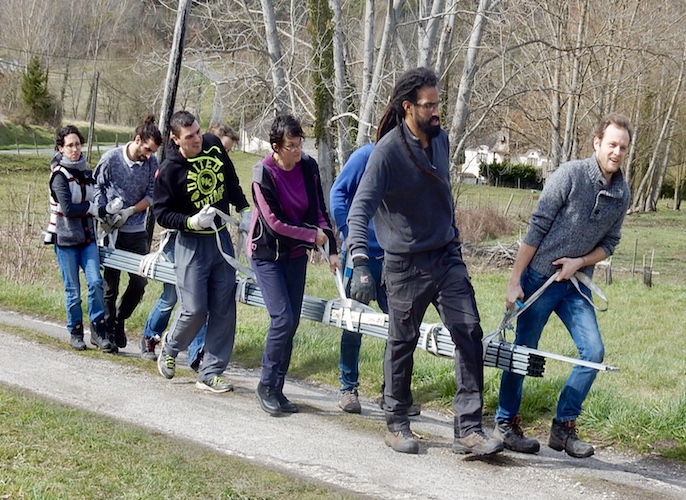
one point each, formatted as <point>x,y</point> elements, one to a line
<point>394,209</point>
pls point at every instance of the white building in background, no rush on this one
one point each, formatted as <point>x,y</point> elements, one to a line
<point>492,149</point>
<point>496,149</point>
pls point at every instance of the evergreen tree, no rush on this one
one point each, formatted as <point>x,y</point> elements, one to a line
<point>40,105</point>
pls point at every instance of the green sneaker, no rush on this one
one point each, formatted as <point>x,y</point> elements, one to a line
<point>216,384</point>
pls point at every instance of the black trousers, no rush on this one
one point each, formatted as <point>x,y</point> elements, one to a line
<point>413,281</point>
<point>131,242</point>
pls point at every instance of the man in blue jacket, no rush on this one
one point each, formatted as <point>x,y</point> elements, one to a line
<point>341,197</point>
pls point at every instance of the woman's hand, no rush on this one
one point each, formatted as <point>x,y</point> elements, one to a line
<point>334,263</point>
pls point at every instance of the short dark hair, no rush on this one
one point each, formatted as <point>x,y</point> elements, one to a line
<point>64,132</point>
<point>405,89</point>
<point>179,120</point>
<point>148,130</point>
<point>283,125</point>
<point>616,119</point>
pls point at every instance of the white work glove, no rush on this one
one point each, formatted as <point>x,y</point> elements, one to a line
<point>124,215</point>
<point>92,209</point>
<point>244,225</point>
<point>114,206</point>
<point>203,219</point>
<point>108,224</point>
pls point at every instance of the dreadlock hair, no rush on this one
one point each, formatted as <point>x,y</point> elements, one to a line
<point>406,89</point>
<point>148,130</point>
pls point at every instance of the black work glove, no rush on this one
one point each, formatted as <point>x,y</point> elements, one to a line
<point>362,285</point>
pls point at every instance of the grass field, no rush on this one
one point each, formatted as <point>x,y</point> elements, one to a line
<point>641,408</point>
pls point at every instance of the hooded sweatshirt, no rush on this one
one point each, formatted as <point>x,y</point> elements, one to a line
<point>183,186</point>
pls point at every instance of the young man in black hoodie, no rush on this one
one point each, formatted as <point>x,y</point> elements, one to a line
<point>196,178</point>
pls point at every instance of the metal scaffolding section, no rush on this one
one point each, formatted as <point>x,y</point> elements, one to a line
<point>434,338</point>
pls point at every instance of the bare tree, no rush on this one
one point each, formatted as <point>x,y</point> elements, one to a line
<point>274,46</point>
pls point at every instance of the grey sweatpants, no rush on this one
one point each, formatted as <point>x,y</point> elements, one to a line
<point>206,287</point>
<point>413,281</point>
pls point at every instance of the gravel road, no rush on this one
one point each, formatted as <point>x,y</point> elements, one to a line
<point>321,442</point>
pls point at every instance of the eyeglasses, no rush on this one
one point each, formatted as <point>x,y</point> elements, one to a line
<point>428,106</point>
<point>76,145</point>
<point>293,147</point>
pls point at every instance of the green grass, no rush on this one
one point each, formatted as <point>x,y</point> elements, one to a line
<point>640,408</point>
<point>14,136</point>
<point>99,457</point>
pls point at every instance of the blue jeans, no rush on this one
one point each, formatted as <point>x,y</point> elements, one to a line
<point>282,284</point>
<point>87,258</point>
<point>161,312</point>
<point>579,318</point>
<point>349,360</point>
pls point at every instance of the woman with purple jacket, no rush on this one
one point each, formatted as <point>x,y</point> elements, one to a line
<point>289,218</point>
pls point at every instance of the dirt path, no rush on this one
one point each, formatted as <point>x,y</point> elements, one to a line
<point>320,442</point>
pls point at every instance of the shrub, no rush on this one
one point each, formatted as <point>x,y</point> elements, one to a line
<point>479,224</point>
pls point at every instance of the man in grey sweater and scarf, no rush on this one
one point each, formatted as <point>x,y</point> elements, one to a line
<point>576,224</point>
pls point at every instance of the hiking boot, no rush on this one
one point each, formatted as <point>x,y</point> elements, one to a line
<point>216,384</point>
<point>148,345</point>
<point>119,333</point>
<point>76,338</point>
<point>349,402</point>
<point>512,436</point>
<point>563,437</point>
<point>412,411</point>
<point>402,441</point>
<point>266,395</point>
<point>99,337</point>
<point>285,404</point>
<point>477,443</point>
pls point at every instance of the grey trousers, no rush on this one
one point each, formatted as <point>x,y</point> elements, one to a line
<point>413,281</point>
<point>206,287</point>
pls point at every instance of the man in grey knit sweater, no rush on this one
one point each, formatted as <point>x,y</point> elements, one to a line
<point>576,224</point>
<point>127,173</point>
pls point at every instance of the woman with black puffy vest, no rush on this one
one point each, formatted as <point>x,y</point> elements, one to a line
<point>72,230</point>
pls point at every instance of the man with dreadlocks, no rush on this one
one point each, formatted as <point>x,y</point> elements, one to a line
<point>406,188</point>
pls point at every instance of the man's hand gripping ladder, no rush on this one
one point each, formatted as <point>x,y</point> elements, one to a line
<point>149,262</point>
<point>527,361</point>
<point>346,306</point>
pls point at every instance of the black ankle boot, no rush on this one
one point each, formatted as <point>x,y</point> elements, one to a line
<point>99,337</point>
<point>76,338</point>
<point>269,402</point>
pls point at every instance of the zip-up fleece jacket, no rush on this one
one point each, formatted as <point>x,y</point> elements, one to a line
<point>183,186</point>
<point>274,238</point>
<point>575,214</point>
<point>412,204</point>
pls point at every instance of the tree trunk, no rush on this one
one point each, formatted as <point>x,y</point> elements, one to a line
<point>340,103</point>
<point>280,88</point>
<point>575,89</point>
<point>446,38</point>
<point>464,91</point>
<point>367,106</point>
<point>645,199</point>
<point>427,29</point>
